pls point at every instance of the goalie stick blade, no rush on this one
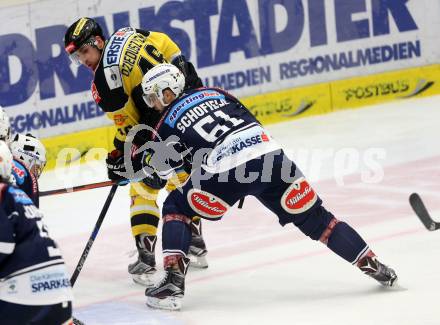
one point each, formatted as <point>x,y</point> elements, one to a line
<point>421,211</point>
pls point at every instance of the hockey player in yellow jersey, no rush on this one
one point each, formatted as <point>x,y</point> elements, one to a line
<point>119,64</point>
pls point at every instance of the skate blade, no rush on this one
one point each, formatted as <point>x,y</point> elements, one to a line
<point>145,280</point>
<point>198,262</point>
<point>396,286</point>
<point>169,303</point>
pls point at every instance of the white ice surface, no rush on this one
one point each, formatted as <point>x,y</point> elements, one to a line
<point>261,273</point>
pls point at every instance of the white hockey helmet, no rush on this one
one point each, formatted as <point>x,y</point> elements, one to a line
<point>5,162</point>
<point>5,128</point>
<point>161,77</point>
<point>30,151</point>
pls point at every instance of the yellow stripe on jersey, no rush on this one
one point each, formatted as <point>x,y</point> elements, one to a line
<point>144,211</point>
<point>144,229</point>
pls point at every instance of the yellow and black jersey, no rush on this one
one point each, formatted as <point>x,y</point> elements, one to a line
<point>127,56</point>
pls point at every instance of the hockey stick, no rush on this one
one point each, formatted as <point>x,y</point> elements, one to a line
<point>77,321</point>
<point>77,188</point>
<point>89,244</point>
<point>92,238</point>
<point>240,203</point>
<point>423,214</point>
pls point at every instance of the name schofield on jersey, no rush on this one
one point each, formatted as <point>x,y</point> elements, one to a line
<point>191,101</point>
<point>196,112</point>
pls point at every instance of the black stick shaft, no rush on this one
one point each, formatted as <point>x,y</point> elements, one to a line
<point>77,188</point>
<point>95,231</point>
<point>240,203</point>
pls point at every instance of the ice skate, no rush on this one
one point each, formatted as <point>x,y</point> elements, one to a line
<point>143,269</point>
<point>378,271</point>
<point>197,249</point>
<point>168,293</point>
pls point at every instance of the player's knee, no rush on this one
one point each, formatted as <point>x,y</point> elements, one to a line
<point>207,205</point>
<point>173,204</point>
<point>299,197</point>
<point>176,217</point>
<point>318,224</point>
<point>141,190</point>
<point>139,201</point>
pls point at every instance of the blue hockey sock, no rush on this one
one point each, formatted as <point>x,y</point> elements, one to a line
<point>176,234</point>
<point>345,241</point>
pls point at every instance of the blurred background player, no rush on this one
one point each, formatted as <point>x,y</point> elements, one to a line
<point>232,142</point>
<point>118,65</point>
<point>29,158</point>
<point>34,285</point>
<point>29,161</point>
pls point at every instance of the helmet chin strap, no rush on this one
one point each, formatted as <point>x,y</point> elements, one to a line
<point>162,102</point>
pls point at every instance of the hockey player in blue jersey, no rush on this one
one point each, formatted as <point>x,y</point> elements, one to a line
<point>34,285</point>
<point>29,161</point>
<point>230,156</point>
<point>29,158</point>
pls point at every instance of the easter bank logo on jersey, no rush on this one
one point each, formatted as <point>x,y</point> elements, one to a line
<point>113,49</point>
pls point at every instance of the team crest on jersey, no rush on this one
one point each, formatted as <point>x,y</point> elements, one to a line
<point>298,197</point>
<point>113,77</point>
<point>12,287</point>
<point>120,119</point>
<point>206,204</point>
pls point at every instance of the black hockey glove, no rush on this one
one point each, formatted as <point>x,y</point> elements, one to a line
<point>115,165</point>
<point>192,80</point>
<point>154,181</point>
<point>151,179</point>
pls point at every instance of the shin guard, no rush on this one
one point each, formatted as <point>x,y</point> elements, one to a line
<point>176,234</point>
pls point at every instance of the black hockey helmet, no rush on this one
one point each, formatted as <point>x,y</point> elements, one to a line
<point>80,33</point>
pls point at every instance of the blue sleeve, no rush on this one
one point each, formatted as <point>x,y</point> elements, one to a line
<point>26,181</point>
<point>7,242</point>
